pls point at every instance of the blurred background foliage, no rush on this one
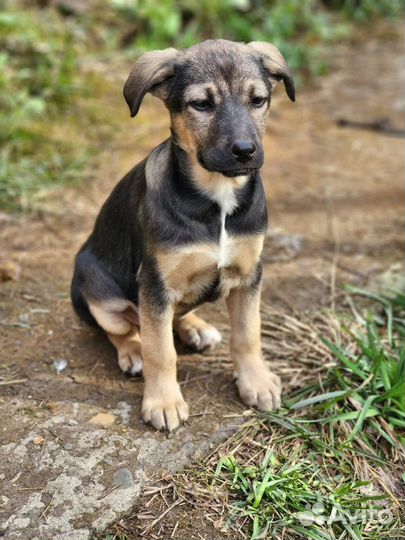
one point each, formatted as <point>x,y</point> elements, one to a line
<point>48,47</point>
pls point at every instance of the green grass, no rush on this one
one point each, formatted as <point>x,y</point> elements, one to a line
<point>301,28</point>
<point>39,85</point>
<point>299,494</point>
<point>329,465</point>
<point>366,388</point>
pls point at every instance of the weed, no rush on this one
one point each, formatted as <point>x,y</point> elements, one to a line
<point>324,459</point>
<point>38,81</point>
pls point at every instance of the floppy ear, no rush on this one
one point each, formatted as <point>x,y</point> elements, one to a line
<point>149,74</point>
<point>275,65</point>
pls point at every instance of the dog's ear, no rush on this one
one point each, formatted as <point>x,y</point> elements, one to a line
<point>150,74</point>
<point>275,65</point>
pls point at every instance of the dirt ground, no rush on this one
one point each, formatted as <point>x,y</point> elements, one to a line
<point>336,201</point>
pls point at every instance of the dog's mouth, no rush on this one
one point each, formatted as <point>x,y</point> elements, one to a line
<point>230,173</point>
<point>238,172</point>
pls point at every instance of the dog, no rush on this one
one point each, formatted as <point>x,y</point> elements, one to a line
<point>187,225</point>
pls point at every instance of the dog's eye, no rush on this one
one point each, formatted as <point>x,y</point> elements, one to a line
<point>201,105</point>
<point>258,101</point>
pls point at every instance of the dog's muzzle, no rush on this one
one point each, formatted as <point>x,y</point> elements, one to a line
<point>242,158</point>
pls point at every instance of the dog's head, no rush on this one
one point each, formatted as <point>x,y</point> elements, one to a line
<point>218,94</point>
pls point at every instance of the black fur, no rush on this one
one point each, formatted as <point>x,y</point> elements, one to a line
<point>172,214</point>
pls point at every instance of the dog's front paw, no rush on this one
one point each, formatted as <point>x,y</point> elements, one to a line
<point>166,409</point>
<point>259,387</point>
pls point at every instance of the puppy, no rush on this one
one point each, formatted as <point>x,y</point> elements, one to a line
<point>187,224</point>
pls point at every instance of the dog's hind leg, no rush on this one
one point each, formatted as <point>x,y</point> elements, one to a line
<point>99,299</point>
<point>119,318</point>
<point>196,333</point>
<point>129,352</point>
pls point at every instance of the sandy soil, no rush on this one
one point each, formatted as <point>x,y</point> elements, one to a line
<point>335,197</point>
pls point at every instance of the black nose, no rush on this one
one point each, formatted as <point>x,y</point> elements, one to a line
<point>243,150</point>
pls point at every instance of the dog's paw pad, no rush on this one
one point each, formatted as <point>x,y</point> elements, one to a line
<point>131,364</point>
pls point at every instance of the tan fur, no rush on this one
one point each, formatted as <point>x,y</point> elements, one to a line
<point>258,386</point>
<point>147,75</point>
<point>129,350</point>
<point>270,52</point>
<point>275,64</point>
<point>187,271</point>
<point>199,91</point>
<point>163,405</point>
<point>210,182</point>
<point>195,332</point>
<point>115,316</point>
<point>185,138</point>
<point>156,166</point>
<point>246,250</point>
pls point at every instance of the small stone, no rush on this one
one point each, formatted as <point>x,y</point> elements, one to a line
<point>52,406</point>
<point>60,364</point>
<point>123,478</point>
<point>72,422</point>
<point>4,500</point>
<point>24,318</point>
<point>103,419</point>
<point>9,271</point>
<point>38,441</point>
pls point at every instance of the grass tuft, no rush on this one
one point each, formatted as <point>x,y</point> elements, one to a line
<point>333,456</point>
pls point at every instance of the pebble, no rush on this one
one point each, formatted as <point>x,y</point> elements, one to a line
<point>24,318</point>
<point>9,271</point>
<point>38,441</point>
<point>123,478</point>
<point>103,419</point>
<point>60,364</point>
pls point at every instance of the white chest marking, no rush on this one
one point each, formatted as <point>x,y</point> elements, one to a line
<point>226,198</point>
<point>222,190</point>
<point>224,253</point>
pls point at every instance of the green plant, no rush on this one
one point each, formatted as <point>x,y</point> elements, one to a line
<point>366,388</point>
<point>301,495</point>
<point>298,27</point>
<point>38,81</point>
<point>299,473</point>
<point>364,10</point>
